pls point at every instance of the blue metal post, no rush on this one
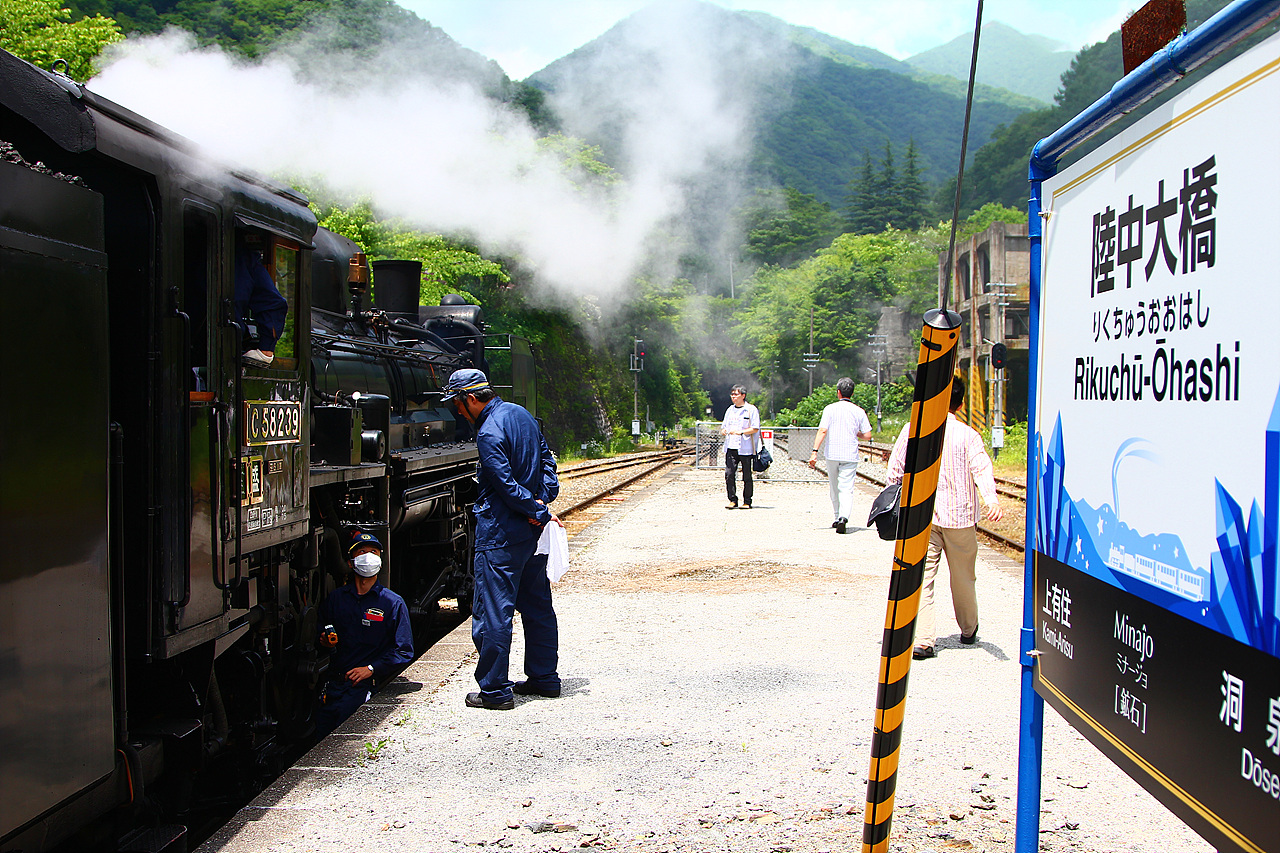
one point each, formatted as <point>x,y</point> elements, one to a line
<point>1031,716</point>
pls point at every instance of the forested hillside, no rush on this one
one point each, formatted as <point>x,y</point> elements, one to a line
<point>999,171</point>
<point>818,104</point>
<point>322,37</point>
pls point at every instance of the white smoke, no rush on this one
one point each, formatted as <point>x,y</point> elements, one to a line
<point>434,151</point>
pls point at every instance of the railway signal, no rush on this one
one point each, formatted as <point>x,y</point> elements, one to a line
<point>637,365</point>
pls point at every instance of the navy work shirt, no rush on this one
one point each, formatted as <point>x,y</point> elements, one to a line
<point>516,471</point>
<point>373,630</point>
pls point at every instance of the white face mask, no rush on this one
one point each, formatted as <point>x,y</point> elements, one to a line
<point>367,565</point>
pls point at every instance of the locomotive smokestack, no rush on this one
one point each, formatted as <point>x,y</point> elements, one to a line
<point>397,287</point>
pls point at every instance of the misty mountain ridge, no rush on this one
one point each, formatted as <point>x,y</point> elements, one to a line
<point>795,106</point>
<point>1030,65</point>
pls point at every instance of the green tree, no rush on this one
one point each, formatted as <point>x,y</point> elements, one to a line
<point>448,266</point>
<point>41,31</point>
<point>581,163</point>
<point>533,102</point>
<point>910,192</point>
<point>858,212</point>
<point>782,228</point>
<point>842,287</point>
<point>883,202</point>
<point>887,197</point>
<point>981,219</point>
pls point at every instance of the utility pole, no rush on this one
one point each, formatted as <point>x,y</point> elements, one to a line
<point>811,357</point>
<point>878,344</point>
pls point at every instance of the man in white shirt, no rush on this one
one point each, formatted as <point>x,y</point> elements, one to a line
<point>964,471</point>
<point>843,423</point>
<point>739,428</point>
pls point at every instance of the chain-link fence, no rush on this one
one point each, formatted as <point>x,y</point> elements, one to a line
<point>789,446</point>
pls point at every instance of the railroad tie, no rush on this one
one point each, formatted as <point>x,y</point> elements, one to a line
<point>915,520</point>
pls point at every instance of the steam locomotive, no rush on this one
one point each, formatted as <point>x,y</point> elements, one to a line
<point>170,517</point>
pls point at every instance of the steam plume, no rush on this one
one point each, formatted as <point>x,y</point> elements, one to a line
<point>429,147</point>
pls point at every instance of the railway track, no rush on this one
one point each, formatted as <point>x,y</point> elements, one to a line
<point>599,498</point>
<point>586,469</point>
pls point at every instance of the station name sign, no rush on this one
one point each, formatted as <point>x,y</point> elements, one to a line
<point>1156,552</point>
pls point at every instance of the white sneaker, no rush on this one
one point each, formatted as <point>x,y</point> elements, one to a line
<point>257,357</point>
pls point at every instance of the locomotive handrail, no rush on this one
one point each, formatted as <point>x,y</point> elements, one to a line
<point>234,432</point>
<point>175,311</point>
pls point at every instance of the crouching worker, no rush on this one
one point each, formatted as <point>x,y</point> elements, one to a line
<point>367,626</point>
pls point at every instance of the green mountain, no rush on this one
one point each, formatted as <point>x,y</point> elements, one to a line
<point>812,106</point>
<point>1027,64</point>
<point>999,171</point>
<point>324,38</point>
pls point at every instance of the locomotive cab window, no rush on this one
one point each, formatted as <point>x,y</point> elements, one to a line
<point>266,284</point>
<point>284,269</point>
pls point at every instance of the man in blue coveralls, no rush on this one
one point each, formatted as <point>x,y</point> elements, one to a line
<point>368,627</point>
<point>517,480</point>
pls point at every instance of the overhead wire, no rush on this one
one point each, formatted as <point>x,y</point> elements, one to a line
<point>964,147</point>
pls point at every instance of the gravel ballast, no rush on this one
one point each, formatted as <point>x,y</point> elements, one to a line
<point>719,675</point>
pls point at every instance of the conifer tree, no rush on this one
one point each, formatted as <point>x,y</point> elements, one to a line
<point>883,203</point>
<point>910,192</point>
<point>861,190</point>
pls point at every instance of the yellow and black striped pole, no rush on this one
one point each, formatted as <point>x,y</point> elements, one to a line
<point>915,519</point>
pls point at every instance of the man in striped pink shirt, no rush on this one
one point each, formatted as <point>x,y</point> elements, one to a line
<point>965,471</point>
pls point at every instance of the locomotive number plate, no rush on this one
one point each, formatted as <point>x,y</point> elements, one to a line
<point>272,422</point>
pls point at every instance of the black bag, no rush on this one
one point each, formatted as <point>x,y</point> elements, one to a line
<point>884,511</point>
<point>762,461</point>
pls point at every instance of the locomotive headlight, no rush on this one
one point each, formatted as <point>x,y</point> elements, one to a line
<point>373,445</point>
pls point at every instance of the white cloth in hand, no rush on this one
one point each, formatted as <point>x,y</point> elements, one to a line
<point>554,542</point>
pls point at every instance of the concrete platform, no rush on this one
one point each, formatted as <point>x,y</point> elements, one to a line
<point>719,675</point>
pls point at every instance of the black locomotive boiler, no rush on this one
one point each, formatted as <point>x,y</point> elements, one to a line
<point>171,518</point>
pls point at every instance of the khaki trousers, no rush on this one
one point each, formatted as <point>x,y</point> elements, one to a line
<point>961,548</point>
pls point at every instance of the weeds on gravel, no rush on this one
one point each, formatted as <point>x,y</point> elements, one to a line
<point>373,748</point>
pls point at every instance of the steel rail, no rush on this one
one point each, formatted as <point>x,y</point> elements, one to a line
<point>616,464</point>
<point>583,504</point>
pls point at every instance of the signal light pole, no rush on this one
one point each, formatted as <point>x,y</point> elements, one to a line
<point>878,343</point>
<point>999,356</point>
<point>637,365</point>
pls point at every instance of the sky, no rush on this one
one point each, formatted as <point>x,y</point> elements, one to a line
<point>526,35</point>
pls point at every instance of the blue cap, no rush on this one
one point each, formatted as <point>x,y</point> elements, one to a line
<point>364,539</point>
<point>465,381</point>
